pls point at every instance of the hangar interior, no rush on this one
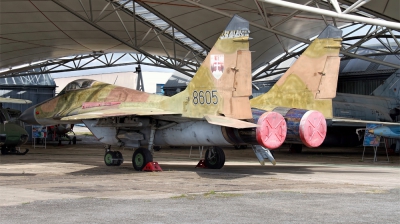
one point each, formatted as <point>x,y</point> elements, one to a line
<point>43,37</point>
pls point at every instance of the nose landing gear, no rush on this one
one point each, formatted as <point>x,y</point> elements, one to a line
<point>113,158</point>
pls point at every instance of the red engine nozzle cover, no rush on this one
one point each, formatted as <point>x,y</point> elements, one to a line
<point>312,128</point>
<point>271,130</point>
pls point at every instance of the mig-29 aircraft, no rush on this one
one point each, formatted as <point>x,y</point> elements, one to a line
<point>12,134</point>
<point>214,110</point>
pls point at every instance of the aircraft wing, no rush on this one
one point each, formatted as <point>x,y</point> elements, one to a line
<point>118,112</point>
<point>112,112</point>
<point>229,122</point>
<point>357,123</point>
<point>13,100</point>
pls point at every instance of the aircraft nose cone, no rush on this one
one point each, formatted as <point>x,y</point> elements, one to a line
<point>28,116</point>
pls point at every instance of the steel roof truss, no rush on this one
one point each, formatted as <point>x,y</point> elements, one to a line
<point>131,45</point>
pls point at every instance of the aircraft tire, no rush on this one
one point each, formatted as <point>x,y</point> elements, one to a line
<point>108,158</point>
<point>217,158</point>
<point>74,140</point>
<point>140,158</point>
<point>119,157</point>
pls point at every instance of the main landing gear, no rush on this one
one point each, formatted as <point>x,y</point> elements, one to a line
<point>214,158</point>
<point>140,158</point>
<point>113,158</point>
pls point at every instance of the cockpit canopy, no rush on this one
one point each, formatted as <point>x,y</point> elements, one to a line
<point>77,84</point>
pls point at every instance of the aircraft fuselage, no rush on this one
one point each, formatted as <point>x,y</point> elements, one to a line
<point>362,107</point>
<point>12,135</point>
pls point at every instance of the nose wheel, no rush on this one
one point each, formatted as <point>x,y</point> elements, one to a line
<point>113,158</point>
<point>214,158</point>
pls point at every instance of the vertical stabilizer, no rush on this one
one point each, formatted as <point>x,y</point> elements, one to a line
<point>310,83</point>
<point>222,84</point>
<point>390,88</point>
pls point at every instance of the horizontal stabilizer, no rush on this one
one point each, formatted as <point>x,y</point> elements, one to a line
<point>229,122</point>
<point>118,112</point>
<point>12,100</point>
<point>355,122</point>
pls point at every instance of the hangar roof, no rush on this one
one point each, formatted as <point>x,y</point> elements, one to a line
<point>34,30</point>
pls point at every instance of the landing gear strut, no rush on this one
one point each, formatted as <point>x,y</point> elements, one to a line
<point>214,158</point>
<point>113,158</point>
<point>140,158</point>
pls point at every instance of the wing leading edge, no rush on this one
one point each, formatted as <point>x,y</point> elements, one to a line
<point>113,112</point>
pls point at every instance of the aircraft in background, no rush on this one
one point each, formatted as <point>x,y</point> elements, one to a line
<point>383,105</point>
<point>214,110</point>
<point>389,132</point>
<point>12,133</point>
<point>352,111</point>
<point>61,131</point>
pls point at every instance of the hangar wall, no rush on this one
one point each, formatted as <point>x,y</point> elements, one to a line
<point>36,88</point>
<point>362,87</point>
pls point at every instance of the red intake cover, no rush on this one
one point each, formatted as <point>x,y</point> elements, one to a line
<point>271,132</point>
<point>312,128</point>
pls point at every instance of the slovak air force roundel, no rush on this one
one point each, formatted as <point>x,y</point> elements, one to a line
<point>217,65</point>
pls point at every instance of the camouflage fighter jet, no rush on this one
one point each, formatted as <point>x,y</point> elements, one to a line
<point>217,97</point>
<point>214,110</point>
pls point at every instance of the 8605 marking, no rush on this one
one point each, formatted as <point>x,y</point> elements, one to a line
<point>205,97</point>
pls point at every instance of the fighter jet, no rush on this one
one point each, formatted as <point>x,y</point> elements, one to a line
<point>12,134</point>
<point>214,110</point>
<point>125,117</point>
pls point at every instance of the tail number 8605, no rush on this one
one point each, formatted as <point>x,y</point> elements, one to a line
<point>205,97</point>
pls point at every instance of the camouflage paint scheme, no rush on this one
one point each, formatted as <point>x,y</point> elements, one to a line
<point>205,95</point>
<point>300,86</point>
<point>12,134</point>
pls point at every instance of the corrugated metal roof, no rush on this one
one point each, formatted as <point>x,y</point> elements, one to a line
<point>40,29</point>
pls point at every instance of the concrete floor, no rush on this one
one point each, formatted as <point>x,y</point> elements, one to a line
<point>64,184</point>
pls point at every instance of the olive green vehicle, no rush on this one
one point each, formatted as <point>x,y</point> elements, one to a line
<point>12,133</point>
